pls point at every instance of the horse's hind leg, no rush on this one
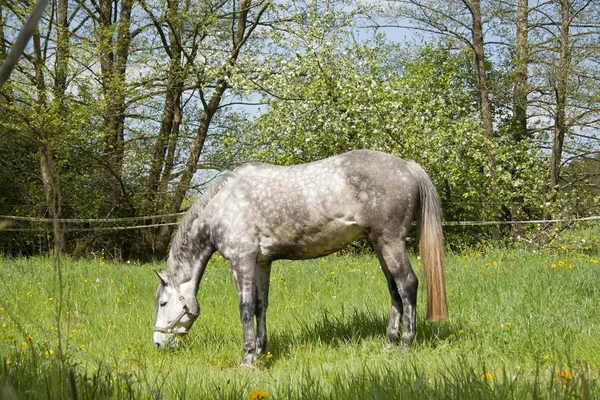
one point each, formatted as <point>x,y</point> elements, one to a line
<point>262,278</point>
<point>402,284</point>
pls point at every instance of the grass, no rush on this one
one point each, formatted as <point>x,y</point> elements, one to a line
<point>521,325</point>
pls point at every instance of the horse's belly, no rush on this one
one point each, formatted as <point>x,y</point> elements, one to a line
<point>303,242</point>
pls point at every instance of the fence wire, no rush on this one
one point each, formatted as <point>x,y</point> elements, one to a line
<point>7,220</point>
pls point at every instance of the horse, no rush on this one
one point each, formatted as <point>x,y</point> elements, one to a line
<point>259,213</point>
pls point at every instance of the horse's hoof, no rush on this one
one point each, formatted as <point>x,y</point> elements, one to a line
<point>388,347</point>
<point>248,361</point>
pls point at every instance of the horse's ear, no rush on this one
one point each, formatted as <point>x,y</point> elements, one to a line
<point>162,275</point>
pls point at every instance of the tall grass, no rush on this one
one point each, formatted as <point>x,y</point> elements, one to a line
<point>521,325</point>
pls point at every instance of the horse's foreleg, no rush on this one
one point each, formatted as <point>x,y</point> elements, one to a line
<point>243,274</point>
<point>262,279</point>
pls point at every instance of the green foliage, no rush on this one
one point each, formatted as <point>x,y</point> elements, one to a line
<point>521,325</point>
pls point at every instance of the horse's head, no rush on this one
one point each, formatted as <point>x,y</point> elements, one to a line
<point>175,312</point>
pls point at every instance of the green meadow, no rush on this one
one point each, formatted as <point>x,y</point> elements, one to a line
<point>522,324</point>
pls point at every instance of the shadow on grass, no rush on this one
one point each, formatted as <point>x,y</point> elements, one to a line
<point>348,328</point>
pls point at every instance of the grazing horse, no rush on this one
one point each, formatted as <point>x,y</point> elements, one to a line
<point>259,213</point>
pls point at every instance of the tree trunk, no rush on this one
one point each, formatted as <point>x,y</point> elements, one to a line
<point>171,117</point>
<point>480,70</point>
<point>113,65</point>
<point>49,172</point>
<point>2,39</point>
<point>62,53</point>
<point>484,95</point>
<point>521,76</point>
<point>520,134</point>
<point>560,92</point>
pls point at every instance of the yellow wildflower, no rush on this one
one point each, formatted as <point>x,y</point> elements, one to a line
<point>256,394</point>
<point>566,375</point>
<point>487,375</point>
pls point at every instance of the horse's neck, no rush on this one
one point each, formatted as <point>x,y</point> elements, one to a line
<point>191,248</point>
<point>187,265</point>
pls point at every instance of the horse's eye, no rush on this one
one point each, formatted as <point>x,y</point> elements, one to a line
<point>163,303</point>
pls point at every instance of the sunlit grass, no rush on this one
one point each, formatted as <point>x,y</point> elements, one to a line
<point>521,324</point>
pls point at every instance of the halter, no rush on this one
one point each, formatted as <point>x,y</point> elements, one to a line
<point>184,310</point>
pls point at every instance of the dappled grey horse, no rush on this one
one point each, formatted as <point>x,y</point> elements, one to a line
<point>259,213</point>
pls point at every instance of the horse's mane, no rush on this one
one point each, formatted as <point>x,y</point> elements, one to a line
<point>184,231</point>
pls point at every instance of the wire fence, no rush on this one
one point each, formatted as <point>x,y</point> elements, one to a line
<point>116,223</point>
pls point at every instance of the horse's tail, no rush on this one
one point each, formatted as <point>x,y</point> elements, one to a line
<point>431,242</point>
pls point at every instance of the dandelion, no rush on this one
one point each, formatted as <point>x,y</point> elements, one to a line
<point>269,355</point>
<point>546,357</point>
<point>82,346</point>
<point>461,331</point>
<point>49,352</point>
<point>565,377</point>
<point>24,344</point>
<point>507,324</point>
<point>256,394</point>
<point>487,375</point>
<point>302,346</point>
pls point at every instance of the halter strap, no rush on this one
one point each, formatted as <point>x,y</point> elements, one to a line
<point>184,310</point>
